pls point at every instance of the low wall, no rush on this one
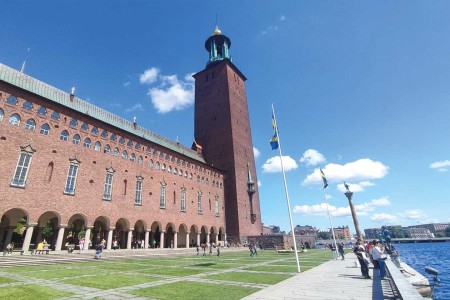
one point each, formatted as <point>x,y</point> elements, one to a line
<point>403,286</point>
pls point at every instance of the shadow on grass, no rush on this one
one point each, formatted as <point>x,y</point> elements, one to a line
<point>204,265</point>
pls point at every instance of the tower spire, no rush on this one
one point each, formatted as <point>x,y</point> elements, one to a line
<point>217,46</point>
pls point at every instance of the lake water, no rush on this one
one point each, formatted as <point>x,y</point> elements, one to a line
<point>435,255</point>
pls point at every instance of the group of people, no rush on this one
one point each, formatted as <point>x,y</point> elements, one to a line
<point>371,252</point>
<point>209,246</point>
<point>42,247</point>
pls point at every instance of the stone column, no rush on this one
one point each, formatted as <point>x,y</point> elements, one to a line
<point>161,240</point>
<point>198,239</point>
<point>60,237</point>
<point>207,238</point>
<point>225,239</point>
<point>2,233</point>
<point>109,240</point>
<point>87,238</point>
<point>187,239</point>
<point>27,240</point>
<point>9,234</point>
<point>129,238</point>
<point>146,239</point>
<point>217,239</point>
<point>349,195</point>
<point>175,240</point>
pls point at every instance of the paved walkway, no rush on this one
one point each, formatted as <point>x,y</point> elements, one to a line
<point>333,280</point>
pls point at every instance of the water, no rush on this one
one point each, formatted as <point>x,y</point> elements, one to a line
<point>435,255</point>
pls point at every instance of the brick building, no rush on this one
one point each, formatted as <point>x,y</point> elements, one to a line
<point>72,169</point>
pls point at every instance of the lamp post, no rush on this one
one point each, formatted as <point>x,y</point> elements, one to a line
<point>349,195</point>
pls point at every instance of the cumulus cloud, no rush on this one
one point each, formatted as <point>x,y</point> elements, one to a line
<point>259,183</point>
<point>362,169</point>
<point>414,214</point>
<point>312,157</point>
<point>282,18</point>
<point>137,106</point>
<point>355,187</point>
<point>441,166</point>
<point>273,165</point>
<point>149,76</point>
<point>384,218</point>
<point>256,152</point>
<point>321,209</point>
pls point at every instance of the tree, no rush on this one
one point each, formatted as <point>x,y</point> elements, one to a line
<point>447,231</point>
<point>324,235</point>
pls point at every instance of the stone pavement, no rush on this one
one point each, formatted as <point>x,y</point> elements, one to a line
<point>332,280</point>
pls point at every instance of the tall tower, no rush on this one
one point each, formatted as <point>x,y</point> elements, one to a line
<point>222,129</point>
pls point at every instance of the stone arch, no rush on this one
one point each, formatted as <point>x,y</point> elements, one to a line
<point>203,235</point>
<point>120,233</point>
<point>77,223</point>
<point>182,236</point>
<point>213,235</point>
<point>47,228</point>
<point>12,226</point>
<point>169,235</point>
<point>139,234</point>
<point>193,234</point>
<point>155,235</point>
<point>100,231</point>
<point>222,236</point>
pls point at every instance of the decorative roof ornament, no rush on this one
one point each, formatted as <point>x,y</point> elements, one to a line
<point>217,31</point>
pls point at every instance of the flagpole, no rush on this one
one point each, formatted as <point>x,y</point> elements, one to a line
<point>287,193</point>
<point>331,225</point>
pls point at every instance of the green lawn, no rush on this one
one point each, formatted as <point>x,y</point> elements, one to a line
<point>233,275</point>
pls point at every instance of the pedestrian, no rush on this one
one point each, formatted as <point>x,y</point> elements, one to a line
<point>98,251</point>
<point>115,245</point>
<point>210,248</point>
<point>198,250</point>
<point>171,244</point>
<point>143,244</point>
<point>341,249</point>
<point>218,249</point>
<point>154,243</point>
<point>10,248</point>
<point>360,251</point>
<point>254,250</point>
<point>378,255</point>
<point>81,244</point>
<point>204,249</point>
<point>250,247</point>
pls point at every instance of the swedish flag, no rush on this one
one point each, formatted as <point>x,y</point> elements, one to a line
<point>274,139</point>
<point>324,179</point>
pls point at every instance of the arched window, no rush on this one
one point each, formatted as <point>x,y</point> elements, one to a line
<point>132,157</point>
<point>107,149</point>
<point>76,139</point>
<point>148,150</point>
<point>104,133</point>
<point>198,178</point>
<point>150,163</point>
<point>49,172</point>
<point>161,155</point>
<point>169,169</point>
<point>185,174</point>
<point>137,146</point>
<point>180,173</point>
<point>94,130</point>
<point>140,160</point>
<point>11,100</point>
<point>178,161</point>
<point>207,181</point>
<point>216,205</point>
<point>2,114</point>
<point>87,143</point>
<point>199,203</point>
<point>45,129</point>
<point>124,154</point>
<point>183,199</point>
<point>157,167</point>
<point>167,157</point>
<point>172,159</point>
<point>163,167</point>
<point>190,175</point>
<point>130,143</point>
<point>97,146</point>
<point>55,115</point>
<point>14,120</point>
<point>64,135</point>
<point>27,105</point>
<point>175,171</point>
<point>42,111</point>
<point>113,137</point>
<point>155,152</point>
<point>85,127</point>
<point>30,125</point>
<point>122,141</point>
<point>74,123</point>
<point>116,152</point>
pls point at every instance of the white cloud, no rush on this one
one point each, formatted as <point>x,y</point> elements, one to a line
<point>137,106</point>
<point>441,165</point>
<point>384,218</point>
<point>361,169</point>
<point>282,18</point>
<point>273,165</point>
<point>414,214</point>
<point>256,152</point>
<point>259,183</point>
<point>126,84</point>
<point>355,187</point>
<point>312,157</point>
<point>173,94</point>
<point>149,76</point>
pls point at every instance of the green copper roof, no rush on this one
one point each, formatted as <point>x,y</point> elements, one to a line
<point>51,93</point>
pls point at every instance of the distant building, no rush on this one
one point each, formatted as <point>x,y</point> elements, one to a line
<point>417,233</point>
<point>305,230</point>
<point>271,229</point>
<point>371,233</point>
<point>435,228</point>
<point>342,232</point>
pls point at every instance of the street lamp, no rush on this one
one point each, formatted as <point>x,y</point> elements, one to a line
<point>349,195</point>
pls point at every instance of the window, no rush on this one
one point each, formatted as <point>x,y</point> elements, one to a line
<point>107,149</point>
<point>140,160</point>
<point>180,173</point>
<point>175,171</point>
<point>148,150</point>
<point>74,123</point>
<point>97,146</point>
<point>45,129</point>
<point>207,181</point>
<point>11,100</point>
<point>163,167</point>
<point>124,154</point>
<point>30,125</point>
<point>71,178</point>
<point>107,193</point>
<point>132,157</point>
<point>87,143</point>
<point>55,115</point>
<point>216,205</point>
<point>130,143</point>
<point>190,175</point>
<point>161,155</point>
<point>85,127</point>
<point>94,130</point>
<point>178,161</point>
<point>198,178</point>
<point>2,114</point>
<point>172,159</point>
<point>183,199</point>
<point>162,197</point>
<point>150,163</point>
<point>185,174</point>
<point>138,146</point>
<point>138,196</point>
<point>20,176</point>
<point>167,157</point>
<point>169,169</point>
<point>157,167</point>
<point>64,135</point>
<point>199,202</point>
<point>14,120</point>
<point>76,139</point>
<point>42,111</point>
<point>155,152</point>
<point>116,152</point>
<point>113,137</point>
<point>122,141</point>
<point>28,105</point>
<point>104,133</point>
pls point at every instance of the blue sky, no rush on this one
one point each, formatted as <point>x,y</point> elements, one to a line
<point>360,88</point>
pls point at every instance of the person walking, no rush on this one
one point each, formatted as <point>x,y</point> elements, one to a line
<point>341,249</point>
<point>198,250</point>
<point>218,249</point>
<point>81,245</point>
<point>360,251</point>
<point>377,254</point>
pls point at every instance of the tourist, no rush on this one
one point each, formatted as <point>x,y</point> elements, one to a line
<point>39,248</point>
<point>154,243</point>
<point>254,250</point>
<point>360,251</point>
<point>171,244</point>
<point>378,255</point>
<point>45,248</point>
<point>115,245</point>
<point>218,249</point>
<point>204,249</point>
<point>250,247</point>
<point>198,250</point>
<point>9,248</point>
<point>210,248</point>
<point>81,244</point>
<point>143,244</point>
<point>341,249</point>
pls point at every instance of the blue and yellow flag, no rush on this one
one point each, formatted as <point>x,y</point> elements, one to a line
<point>274,139</point>
<point>324,179</point>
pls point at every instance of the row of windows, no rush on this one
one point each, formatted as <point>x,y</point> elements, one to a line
<point>64,136</point>
<point>24,162</point>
